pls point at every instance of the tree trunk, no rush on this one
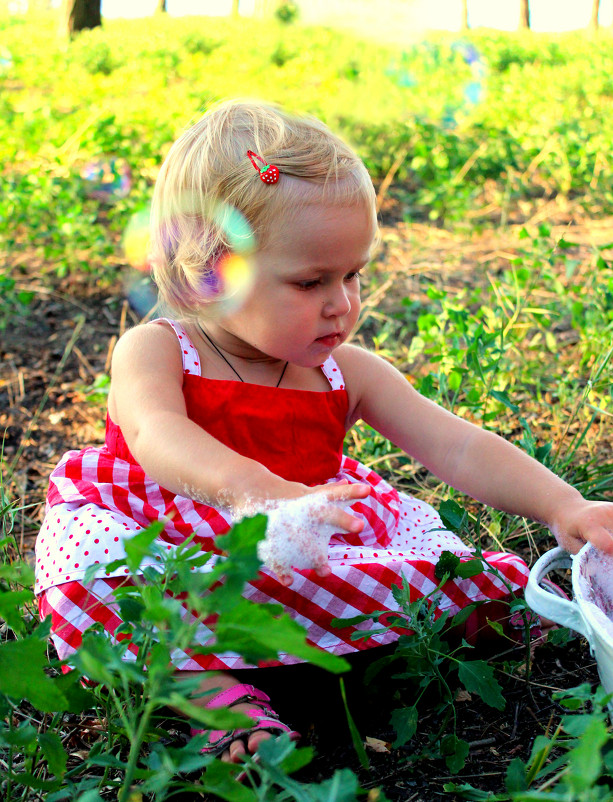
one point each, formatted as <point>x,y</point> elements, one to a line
<point>160,7</point>
<point>464,15</point>
<point>524,14</point>
<point>235,4</point>
<point>79,15</point>
<point>594,19</point>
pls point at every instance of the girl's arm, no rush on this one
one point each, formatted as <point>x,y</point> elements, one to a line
<point>146,401</point>
<point>470,459</point>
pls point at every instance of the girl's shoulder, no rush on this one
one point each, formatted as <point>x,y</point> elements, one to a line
<point>148,344</point>
<point>353,359</point>
<point>359,368</point>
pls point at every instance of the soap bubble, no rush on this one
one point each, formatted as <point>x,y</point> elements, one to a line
<point>6,61</point>
<point>230,277</point>
<point>107,180</point>
<point>235,280</point>
<point>431,57</point>
<point>136,240</point>
<point>141,293</point>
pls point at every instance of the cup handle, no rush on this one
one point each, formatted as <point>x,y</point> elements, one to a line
<point>563,612</point>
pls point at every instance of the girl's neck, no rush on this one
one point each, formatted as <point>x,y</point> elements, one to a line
<point>233,347</point>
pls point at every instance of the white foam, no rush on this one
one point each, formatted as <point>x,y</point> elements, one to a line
<point>296,537</point>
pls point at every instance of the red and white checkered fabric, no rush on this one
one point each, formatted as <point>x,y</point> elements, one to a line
<point>96,501</point>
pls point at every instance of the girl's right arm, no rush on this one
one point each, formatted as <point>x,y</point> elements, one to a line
<point>146,401</point>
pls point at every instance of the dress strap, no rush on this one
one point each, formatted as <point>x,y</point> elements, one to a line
<point>189,354</point>
<point>333,373</point>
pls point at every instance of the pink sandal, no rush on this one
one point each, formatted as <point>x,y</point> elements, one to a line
<point>263,716</point>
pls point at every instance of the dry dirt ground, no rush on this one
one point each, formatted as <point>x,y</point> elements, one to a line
<point>49,360</point>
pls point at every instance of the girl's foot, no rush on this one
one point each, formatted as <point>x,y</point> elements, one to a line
<point>226,691</point>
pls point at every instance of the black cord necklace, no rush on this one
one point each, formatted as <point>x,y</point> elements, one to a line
<point>229,364</point>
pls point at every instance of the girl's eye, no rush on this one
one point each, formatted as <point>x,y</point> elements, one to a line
<point>353,275</point>
<point>307,285</point>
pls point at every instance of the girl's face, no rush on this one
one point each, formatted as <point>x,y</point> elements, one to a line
<point>306,295</point>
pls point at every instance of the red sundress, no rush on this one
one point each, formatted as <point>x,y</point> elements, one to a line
<point>98,497</point>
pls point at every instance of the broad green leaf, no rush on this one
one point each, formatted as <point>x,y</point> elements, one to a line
<point>452,515</point>
<point>468,568</point>
<point>22,674</point>
<point>447,565</point>
<point>516,775</point>
<point>20,737</point>
<point>341,787</point>
<point>455,752</point>
<point>51,745</point>
<point>255,632</point>
<point>11,607</point>
<point>219,718</point>
<point>478,677</point>
<point>220,779</point>
<point>404,722</point>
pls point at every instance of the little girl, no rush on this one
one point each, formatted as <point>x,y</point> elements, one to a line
<point>236,405</point>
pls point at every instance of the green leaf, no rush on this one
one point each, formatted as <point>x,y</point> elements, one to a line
<point>139,546</point>
<point>259,632</point>
<point>455,752</point>
<point>452,515</point>
<point>218,718</point>
<point>20,737</point>
<point>54,752</point>
<point>478,677</point>
<point>467,791</point>
<point>404,722</point>
<point>585,760</point>
<point>220,779</point>
<point>516,775</point>
<point>447,565</point>
<point>341,787</point>
<point>11,607</point>
<point>504,399</point>
<point>358,743</point>
<point>22,674</point>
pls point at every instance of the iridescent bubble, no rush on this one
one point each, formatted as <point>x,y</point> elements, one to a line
<point>474,91</point>
<point>107,180</point>
<point>141,294</point>
<point>6,61</point>
<point>434,58</point>
<point>234,225</point>
<point>136,240</point>
<point>236,277</point>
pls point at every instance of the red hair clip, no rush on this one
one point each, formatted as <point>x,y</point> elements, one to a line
<point>269,174</point>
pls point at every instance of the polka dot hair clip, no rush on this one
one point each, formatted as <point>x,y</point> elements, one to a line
<point>269,174</point>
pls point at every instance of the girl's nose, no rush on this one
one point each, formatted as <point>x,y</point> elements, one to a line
<point>337,304</point>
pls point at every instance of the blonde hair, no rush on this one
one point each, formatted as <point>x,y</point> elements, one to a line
<point>207,173</point>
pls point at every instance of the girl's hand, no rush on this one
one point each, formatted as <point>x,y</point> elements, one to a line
<point>579,522</point>
<point>299,529</point>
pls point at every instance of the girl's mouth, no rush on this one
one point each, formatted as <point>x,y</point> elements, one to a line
<point>330,340</point>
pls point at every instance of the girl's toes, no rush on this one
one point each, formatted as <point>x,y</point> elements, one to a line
<point>255,740</point>
<point>237,751</point>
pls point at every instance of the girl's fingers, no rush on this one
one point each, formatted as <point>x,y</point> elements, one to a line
<point>602,538</point>
<point>343,491</point>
